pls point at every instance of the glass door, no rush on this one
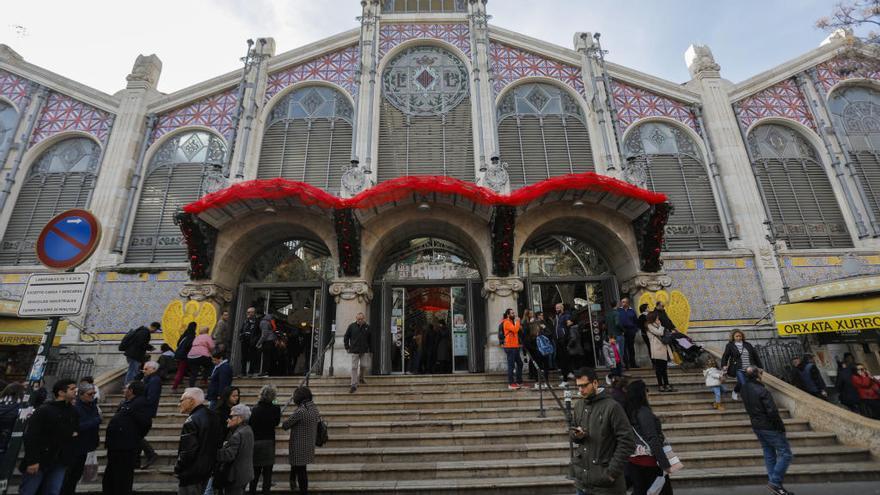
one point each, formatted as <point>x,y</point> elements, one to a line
<point>398,330</point>
<point>461,324</point>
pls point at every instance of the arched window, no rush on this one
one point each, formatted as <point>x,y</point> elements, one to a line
<point>800,202</point>
<point>665,159</point>
<point>425,117</point>
<point>542,133</point>
<point>856,111</point>
<point>421,6</point>
<point>308,138</point>
<point>185,168</point>
<point>62,178</point>
<point>8,121</point>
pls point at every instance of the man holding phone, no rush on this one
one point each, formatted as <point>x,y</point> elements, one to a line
<point>603,439</point>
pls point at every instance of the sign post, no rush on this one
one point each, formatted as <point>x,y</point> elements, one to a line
<point>64,243</point>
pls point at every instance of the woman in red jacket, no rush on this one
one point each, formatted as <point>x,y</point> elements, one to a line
<point>868,389</point>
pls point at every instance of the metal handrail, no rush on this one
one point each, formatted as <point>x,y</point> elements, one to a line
<point>305,380</point>
<point>542,376</point>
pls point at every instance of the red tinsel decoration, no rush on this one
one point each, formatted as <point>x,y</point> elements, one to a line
<point>401,187</point>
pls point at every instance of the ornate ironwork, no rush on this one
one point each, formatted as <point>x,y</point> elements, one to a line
<point>74,155</point>
<point>539,99</point>
<point>313,102</point>
<point>190,147</point>
<point>776,356</point>
<point>425,80</point>
<point>70,365</point>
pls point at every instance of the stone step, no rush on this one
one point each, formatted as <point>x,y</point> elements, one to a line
<point>168,439</point>
<point>535,485</point>
<point>368,458</point>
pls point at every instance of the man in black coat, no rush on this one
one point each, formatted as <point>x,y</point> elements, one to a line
<point>846,392</point>
<point>152,394</point>
<point>125,435</point>
<point>200,437</point>
<point>221,377</point>
<point>247,336</point>
<point>768,427</point>
<point>48,442</point>
<point>357,341</point>
<point>135,347</point>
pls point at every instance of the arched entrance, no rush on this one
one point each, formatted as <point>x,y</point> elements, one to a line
<point>288,280</point>
<point>560,268</point>
<point>428,309</point>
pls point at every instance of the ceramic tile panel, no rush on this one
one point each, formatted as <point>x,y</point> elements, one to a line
<point>784,99</point>
<point>339,67</point>
<point>62,113</point>
<point>802,271</point>
<point>215,111</point>
<point>510,64</point>
<point>14,88</point>
<point>633,103</point>
<point>393,34</point>
<point>120,301</point>
<point>718,288</point>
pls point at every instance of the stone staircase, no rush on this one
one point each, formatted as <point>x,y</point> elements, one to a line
<point>468,434</point>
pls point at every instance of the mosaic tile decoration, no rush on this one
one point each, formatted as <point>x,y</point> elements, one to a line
<point>393,34</point>
<point>633,103</point>
<point>829,73</point>
<point>510,64</point>
<point>215,111</point>
<point>338,67</point>
<point>718,289</point>
<point>13,87</point>
<point>63,113</point>
<point>804,271</point>
<point>784,99</point>
<point>122,301</point>
<point>12,286</point>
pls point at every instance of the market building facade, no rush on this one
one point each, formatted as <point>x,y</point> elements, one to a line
<point>431,170</point>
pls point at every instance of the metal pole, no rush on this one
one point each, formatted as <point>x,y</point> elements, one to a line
<point>37,371</point>
<point>332,339</point>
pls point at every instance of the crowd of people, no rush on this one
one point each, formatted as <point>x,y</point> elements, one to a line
<point>565,341</point>
<point>225,447</point>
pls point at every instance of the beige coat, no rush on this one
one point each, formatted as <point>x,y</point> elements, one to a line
<point>659,350</point>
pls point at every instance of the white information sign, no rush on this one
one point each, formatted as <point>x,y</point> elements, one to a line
<point>54,294</point>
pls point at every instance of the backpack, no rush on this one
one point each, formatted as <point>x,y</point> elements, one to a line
<point>322,436</point>
<point>126,341</point>
<point>545,347</point>
<point>667,338</point>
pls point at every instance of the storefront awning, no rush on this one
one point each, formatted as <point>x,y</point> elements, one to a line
<point>851,314</point>
<point>23,331</point>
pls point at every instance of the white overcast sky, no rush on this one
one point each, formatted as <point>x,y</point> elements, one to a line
<point>95,42</point>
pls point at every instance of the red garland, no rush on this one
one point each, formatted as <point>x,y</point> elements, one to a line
<point>401,187</point>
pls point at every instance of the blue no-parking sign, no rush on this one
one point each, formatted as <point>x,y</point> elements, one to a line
<point>68,239</point>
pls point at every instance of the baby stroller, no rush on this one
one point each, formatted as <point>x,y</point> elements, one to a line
<point>693,356</point>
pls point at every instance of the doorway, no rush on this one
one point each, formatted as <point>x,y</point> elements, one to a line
<point>427,312</point>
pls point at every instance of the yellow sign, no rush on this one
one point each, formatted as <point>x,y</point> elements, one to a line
<point>678,308</point>
<point>178,315</point>
<point>26,331</point>
<point>835,315</point>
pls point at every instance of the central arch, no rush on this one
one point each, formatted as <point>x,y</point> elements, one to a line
<point>426,269</point>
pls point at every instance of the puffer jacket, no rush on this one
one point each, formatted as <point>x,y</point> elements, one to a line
<point>599,458</point>
<point>760,406</point>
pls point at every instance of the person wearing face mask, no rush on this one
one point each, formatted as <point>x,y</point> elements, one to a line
<point>512,347</point>
<point>603,439</point>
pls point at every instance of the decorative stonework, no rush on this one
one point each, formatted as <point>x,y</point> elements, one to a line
<point>784,99</point>
<point>63,113</point>
<point>496,176</point>
<point>501,287</point>
<point>145,72</point>
<point>354,180</point>
<point>510,64</point>
<point>644,281</point>
<point>700,61</point>
<point>339,67</point>
<point>634,103</point>
<point>206,291</point>
<point>393,34</point>
<point>351,290</point>
<point>840,69</point>
<point>13,87</point>
<point>215,111</point>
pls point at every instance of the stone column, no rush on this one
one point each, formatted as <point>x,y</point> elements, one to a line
<point>500,293</point>
<point>483,95</point>
<point>367,90</point>
<point>121,156</point>
<point>599,122</point>
<point>352,296</point>
<point>250,133</point>
<point>734,167</point>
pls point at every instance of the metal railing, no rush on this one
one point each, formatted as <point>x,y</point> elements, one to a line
<point>315,365</point>
<point>776,356</point>
<point>70,365</point>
